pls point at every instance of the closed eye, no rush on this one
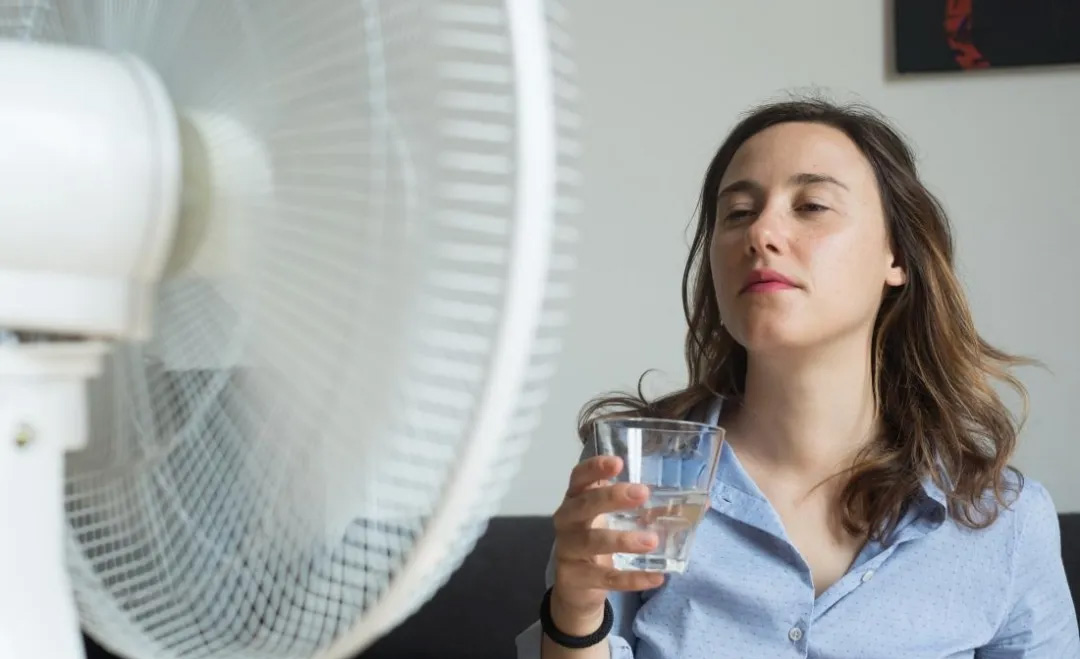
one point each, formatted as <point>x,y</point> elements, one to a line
<point>811,208</point>
<point>736,215</point>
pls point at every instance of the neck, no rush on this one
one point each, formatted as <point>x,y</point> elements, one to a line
<point>807,415</point>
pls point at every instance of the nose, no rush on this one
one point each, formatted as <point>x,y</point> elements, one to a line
<point>766,234</point>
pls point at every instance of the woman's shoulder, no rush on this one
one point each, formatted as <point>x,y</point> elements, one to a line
<point>1037,608</point>
<point>1026,502</point>
<point>1034,517</point>
<point>1020,545</point>
<point>1023,518</point>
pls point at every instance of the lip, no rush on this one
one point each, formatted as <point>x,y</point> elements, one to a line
<point>765,280</point>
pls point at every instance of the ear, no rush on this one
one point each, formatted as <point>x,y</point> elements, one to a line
<point>895,274</point>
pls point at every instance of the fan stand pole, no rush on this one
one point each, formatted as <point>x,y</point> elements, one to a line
<point>42,416</point>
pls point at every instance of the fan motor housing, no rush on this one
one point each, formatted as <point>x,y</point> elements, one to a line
<point>91,164</point>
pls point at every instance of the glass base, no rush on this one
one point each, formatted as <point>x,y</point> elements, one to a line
<point>649,563</point>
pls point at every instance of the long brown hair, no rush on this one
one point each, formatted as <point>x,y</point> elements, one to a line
<point>932,373</point>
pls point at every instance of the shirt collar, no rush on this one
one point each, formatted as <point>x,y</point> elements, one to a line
<point>934,492</point>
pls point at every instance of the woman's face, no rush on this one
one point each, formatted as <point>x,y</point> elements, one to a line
<point>800,254</point>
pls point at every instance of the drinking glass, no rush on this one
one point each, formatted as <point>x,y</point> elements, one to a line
<point>677,461</point>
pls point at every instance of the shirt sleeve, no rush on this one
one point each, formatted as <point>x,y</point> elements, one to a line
<point>1041,622</point>
<point>624,604</point>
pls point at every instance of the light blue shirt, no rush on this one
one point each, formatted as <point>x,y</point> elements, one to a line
<point>936,589</point>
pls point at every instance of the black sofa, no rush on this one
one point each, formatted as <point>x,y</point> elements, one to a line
<point>496,592</point>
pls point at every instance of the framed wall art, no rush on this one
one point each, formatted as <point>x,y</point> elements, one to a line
<point>960,35</point>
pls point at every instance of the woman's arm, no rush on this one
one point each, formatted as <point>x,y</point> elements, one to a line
<point>533,644</point>
<point>1041,623</point>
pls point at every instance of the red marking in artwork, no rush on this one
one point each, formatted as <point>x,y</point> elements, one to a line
<point>958,35</point>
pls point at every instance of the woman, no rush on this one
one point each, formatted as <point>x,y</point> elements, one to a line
<point>863,504</point>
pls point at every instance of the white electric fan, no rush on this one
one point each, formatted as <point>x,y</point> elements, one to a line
<point>279,293</point>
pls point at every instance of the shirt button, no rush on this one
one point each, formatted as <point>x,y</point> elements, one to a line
<point>795,634</point>
<point>867,576</point>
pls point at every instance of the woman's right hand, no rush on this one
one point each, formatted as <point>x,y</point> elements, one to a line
<point>583,547</point>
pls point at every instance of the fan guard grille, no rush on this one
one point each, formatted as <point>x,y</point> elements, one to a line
<point>227,503</point>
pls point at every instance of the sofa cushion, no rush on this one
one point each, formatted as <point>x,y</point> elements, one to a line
<point>1070,552</point>
<point>493,596</point>
<point>496,592</point>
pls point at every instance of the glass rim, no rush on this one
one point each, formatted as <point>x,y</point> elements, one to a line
<point>659,424</point>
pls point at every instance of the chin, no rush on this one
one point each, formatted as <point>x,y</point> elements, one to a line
<point>763,337</point>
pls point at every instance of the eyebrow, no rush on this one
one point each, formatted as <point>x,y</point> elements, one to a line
<point>804,178</point>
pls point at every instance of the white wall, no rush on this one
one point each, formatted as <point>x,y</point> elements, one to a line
<point>661,84</point>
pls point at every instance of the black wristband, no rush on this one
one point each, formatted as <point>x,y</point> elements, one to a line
<point>574,642</point>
